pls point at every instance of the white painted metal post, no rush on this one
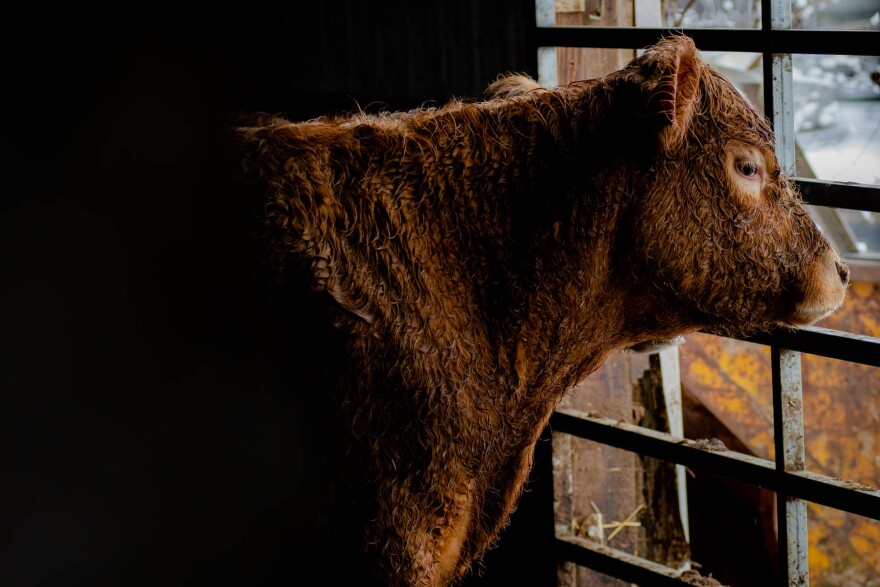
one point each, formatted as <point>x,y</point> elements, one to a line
<point>548,72</point>
<point>670,372</point>
<point>783,92</point>
<point>788,410</point>
<point>788,416</point>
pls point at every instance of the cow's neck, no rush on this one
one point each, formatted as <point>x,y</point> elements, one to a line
<point>545,276</point>
<point>561,306</point>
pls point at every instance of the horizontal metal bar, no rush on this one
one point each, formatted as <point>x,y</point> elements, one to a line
<point>825,42</point>
<point>750,40</point>
<point>840,195</point>
<point>639,37</point>
<point>825,342</point>
<point>862,258</point>
<point>617,563</point>
<point>706,456</point>
<point>645,441</point>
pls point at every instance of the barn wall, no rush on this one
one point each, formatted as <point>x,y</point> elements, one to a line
<point>400,54</point>
<point>150,384</point>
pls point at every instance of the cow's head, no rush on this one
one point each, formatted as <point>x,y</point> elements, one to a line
<point>719,225</point>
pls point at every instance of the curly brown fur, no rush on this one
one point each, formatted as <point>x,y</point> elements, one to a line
<point>480,259</point>
<point>507,86</point>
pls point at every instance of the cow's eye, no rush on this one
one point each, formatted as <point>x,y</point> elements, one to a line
<point>747,168</point>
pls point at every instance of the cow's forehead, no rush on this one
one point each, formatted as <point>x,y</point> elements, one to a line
<point>739,111</point>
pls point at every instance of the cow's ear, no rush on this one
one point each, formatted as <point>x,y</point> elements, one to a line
<point>672,71</point>
<point>510,85</point>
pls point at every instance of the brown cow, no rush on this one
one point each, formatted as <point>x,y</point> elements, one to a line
<point>480,259</point>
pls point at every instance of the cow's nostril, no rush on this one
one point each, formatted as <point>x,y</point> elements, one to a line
<point>843,271</point>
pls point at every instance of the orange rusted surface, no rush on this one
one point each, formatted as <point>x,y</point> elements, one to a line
<point>841,422</point>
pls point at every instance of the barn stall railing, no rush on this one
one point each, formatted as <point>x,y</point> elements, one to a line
<point>787,477</point>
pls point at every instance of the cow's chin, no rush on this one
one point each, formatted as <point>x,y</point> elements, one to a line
<point>808,316</point>
<point>824,290</point>
<point>656,345</point>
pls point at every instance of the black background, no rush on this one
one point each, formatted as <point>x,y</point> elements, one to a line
<point>151,416</point>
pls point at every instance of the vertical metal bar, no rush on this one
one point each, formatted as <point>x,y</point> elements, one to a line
<point>767,90</point>
<point>783,112</point>
<point>782,90</point>
<point>780,14</point>
<point>788,423</point>
<point>545,13</point>
<point>548,70</point>
<point>649,13</point>
<point>788,414</point>
<point>670,376</point>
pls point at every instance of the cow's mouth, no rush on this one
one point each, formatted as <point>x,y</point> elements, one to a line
<point>824,290</point>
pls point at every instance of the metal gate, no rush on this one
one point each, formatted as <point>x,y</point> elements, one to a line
<point>787,477</point>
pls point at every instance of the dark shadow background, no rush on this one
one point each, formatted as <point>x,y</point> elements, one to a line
<point>155,391</point>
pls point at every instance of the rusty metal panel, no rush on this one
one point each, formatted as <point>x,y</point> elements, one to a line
<point>733,380</point>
